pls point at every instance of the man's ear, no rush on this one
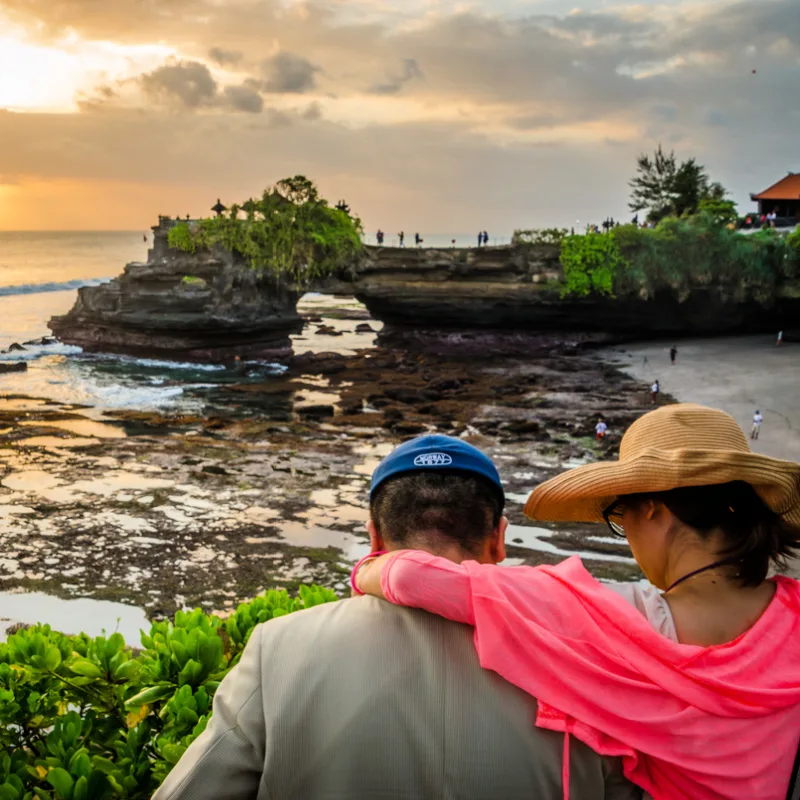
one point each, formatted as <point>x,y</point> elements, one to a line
<point>376,542</point>
<point>498,541</point>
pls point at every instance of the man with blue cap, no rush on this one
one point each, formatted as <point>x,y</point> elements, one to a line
<point>362,699</point>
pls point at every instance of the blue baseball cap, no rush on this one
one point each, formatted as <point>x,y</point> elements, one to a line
<point>436,453</point>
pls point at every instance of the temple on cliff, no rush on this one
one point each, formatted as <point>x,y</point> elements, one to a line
<point>782,197</point>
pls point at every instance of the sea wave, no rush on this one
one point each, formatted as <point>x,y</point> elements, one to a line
<point>154,363</point>
<point>37,288</point>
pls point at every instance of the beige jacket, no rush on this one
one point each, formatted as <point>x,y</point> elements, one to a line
<point>362,700</point>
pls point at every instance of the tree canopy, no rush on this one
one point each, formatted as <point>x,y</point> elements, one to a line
<point>290,229</point>
<point>663,187</point>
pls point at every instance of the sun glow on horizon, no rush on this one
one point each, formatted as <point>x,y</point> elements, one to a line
<point>36,77</point>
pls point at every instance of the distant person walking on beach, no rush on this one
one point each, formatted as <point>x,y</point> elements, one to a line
<point>600,430</point>
<point>673,354</point>
<point>757,420</point>
<point>655,389</point>
<point>779,341</point>
<point>402,237</point>
<point>380,238</point>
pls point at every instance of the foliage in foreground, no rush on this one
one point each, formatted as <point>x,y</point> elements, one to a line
<point>86,719</point>
<point>677,255</point>
<point>289,230</point>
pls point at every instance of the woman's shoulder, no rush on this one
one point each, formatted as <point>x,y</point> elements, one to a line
<point>648,600</point>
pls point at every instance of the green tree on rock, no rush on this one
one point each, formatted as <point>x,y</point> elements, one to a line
<point>663,188</point>
<point>289,230</point>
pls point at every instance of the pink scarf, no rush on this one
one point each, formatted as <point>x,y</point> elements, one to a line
<point>700,723</point>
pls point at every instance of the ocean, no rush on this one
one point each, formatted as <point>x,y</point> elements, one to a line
<point>40,274</point>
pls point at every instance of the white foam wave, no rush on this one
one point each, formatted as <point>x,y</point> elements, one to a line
<point>157,363</point>
<point>33,352</point>
<point>37,288</point>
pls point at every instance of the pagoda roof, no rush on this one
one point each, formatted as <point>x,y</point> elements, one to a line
<point>787,188</point>
<point>219,208</point>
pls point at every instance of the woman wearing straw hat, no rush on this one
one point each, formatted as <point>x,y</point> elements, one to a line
<point>694,678</point>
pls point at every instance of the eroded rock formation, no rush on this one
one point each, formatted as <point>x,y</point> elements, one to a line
<point>202,306</point>
<point>519,288</point>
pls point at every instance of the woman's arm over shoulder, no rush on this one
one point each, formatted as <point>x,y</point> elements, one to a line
<point>420,580</point>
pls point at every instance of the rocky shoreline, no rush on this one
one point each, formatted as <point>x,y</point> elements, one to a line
<point>268,487</point>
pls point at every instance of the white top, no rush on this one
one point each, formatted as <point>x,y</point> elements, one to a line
<point>650,602</point>
<point>654,387</point>
<point>601,427</point>
<point>758,418</point>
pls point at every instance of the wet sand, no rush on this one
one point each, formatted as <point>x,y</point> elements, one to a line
<point>738,374</point>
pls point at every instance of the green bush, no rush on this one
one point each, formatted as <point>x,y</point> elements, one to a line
<point>289,230</point>
<point>87,719</point>
<point>537,236</point>
<point>590,264</point>
<point>677,255</point>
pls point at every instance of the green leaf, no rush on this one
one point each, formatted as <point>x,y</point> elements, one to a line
<point>61,781</point>
<point>86,668</point>
<point>151,695</point>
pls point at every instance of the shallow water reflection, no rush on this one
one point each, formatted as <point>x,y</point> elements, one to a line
<point>84,615</point>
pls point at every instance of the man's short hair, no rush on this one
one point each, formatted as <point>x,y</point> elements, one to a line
<point>436,508</point>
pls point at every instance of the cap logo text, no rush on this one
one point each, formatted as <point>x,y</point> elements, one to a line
<point>433,460</point>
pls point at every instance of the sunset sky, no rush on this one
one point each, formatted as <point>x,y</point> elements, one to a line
<point>430,115</point>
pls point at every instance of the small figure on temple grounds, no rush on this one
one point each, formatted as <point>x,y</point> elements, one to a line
<point>480,238</point>
<point>600,430</point>
<point>485,239</point>
<point>673,354</point>
<point>779,341</point>
<point>654,390</point>
<point>380,238</point>
<point>402,237</point>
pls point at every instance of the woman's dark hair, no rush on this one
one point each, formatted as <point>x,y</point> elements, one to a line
<point>755,534</point>
<point>454,507</point>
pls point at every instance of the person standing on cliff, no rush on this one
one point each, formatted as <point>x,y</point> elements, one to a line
<point>485,239</point>
<point>380,238</point>
<point>655,389</point>
<point>600,430</point>
<point>480,238</point>
<point>673,354</point>
<point>402,237</point>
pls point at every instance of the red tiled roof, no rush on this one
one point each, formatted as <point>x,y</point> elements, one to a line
<point>786,189</point>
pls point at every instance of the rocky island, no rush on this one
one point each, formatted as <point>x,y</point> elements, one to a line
<point>211,304</point>
<point>205,306</point>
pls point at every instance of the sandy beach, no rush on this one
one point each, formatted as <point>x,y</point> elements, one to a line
<point>737,374</point>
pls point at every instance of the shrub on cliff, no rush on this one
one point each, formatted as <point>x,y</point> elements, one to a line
<point>677,255</point>
<point>86,719</point>
<point>289,230</point>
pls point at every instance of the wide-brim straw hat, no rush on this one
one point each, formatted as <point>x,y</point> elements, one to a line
<point>674,446</point>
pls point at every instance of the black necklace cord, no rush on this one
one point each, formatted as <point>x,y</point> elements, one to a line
<point>716,564</point>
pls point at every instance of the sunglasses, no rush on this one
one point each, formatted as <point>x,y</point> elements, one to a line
<point>613,517</point>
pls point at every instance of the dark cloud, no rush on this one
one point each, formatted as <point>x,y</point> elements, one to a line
<point>243,98</point>
<point>397,81</point>
<point>312,112</point>
<point>288,73</point>
<point>225,58</point>
<point>187,84</point>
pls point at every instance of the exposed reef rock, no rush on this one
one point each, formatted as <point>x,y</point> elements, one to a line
<point>202,306</point>
<point>520,288</point>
